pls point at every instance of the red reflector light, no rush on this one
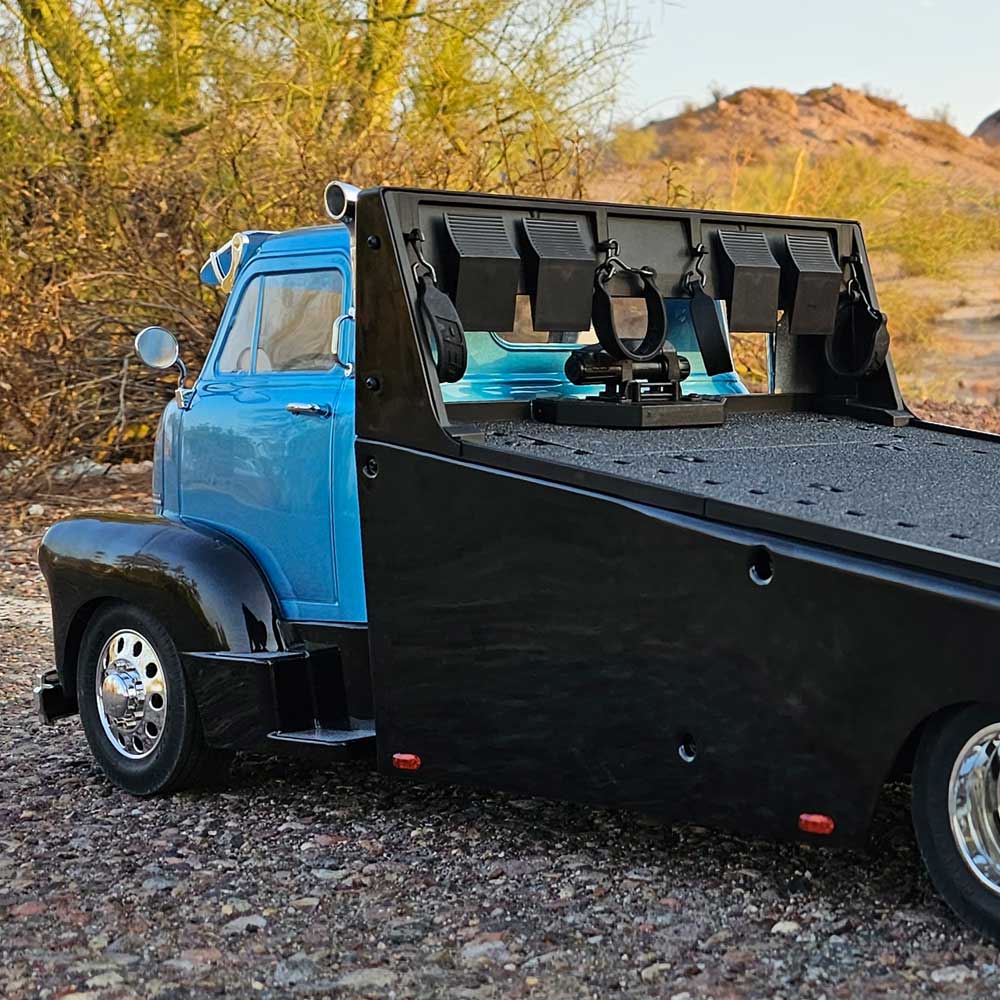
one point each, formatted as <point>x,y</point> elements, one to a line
<point>816,823</point>
<point>406,761</point>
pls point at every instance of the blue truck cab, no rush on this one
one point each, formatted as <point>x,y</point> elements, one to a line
<point>263,448</point>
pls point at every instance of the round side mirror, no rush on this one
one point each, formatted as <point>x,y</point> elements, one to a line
<point>156,347</point>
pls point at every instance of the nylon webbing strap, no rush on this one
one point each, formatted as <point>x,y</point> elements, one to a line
<point>712,340</point>
<point>444,330</point>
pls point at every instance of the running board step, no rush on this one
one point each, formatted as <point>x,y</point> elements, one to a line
<point>333,738</point>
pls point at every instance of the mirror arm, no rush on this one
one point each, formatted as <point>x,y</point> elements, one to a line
<point>182,395</point>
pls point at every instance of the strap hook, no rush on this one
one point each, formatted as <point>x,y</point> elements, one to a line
<point>697,274</point>
<point>856,290</point>
<point>415,237</point>
<point>613,262</point>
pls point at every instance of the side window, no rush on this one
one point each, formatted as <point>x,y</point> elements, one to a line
<point>236,352</point>
<point>296,322</point>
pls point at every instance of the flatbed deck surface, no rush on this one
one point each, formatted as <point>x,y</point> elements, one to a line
<point>907,484</point>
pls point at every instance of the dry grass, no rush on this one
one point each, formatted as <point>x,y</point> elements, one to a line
<point>916,226</point>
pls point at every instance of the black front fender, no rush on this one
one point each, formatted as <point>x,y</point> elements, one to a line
<point>204,587</point>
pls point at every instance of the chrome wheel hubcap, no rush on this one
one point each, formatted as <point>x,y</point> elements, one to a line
<point>974,805</point>
<point>131,694</point>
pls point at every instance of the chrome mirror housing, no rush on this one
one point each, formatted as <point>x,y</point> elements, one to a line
<point>157,348</point>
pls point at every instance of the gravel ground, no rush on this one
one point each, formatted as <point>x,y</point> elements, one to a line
<point>297,881</point>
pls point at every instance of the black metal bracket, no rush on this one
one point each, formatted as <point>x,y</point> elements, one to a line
<point>752,279</point>
<point>560,270</point>
<point>636,393</point>
<point>484,271</point>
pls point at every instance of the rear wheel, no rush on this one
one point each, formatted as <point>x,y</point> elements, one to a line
<point>137,709</point>
<point>956,812</point>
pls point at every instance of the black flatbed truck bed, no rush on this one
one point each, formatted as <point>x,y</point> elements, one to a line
<point>915,493</point>
<point>564,610</point>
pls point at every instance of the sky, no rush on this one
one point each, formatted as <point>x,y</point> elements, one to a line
<point>927,54</point>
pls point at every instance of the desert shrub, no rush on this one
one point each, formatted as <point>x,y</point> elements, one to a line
<point>125,155</point>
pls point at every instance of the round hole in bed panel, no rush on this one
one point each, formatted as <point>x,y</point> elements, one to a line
<point>761,566</point>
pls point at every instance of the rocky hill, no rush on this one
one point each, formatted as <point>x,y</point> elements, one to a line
<point>760,122</point>
<point>989,129</point>
<point>927,195</point>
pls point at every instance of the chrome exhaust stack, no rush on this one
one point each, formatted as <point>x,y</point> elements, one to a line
<point>341,202</point>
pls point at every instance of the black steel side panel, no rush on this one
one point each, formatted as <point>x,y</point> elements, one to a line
<point>543,639</point>
<point>203,586</point>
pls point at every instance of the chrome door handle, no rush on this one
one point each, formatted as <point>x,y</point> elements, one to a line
<point>309,409</point>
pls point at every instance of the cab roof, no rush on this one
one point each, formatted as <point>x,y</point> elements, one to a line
<point>310,239</point>
<point>332,236</point>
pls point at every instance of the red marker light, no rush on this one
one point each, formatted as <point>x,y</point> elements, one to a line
<point>816,823</point>
<point>406,761</point>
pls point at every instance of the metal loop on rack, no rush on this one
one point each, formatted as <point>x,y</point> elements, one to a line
<point>603,316</point>
<point>696,276</point>
<point>415,237</point>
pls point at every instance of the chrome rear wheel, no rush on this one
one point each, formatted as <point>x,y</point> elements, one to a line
<point>956,811</point>
<point>974,805</point>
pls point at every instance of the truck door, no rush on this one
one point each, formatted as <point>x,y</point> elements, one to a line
<point>257,444</point>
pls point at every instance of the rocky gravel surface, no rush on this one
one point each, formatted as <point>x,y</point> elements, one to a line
<point>302,881</point>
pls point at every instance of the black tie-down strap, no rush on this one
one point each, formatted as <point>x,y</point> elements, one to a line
<point>860,342</point>
<point>444,330</point>
<point>604,317</point>
<point>708,329</point>
<point>441,322</point>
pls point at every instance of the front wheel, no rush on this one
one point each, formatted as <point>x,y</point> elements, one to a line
<point>135,704</point>
<point>956,812</point>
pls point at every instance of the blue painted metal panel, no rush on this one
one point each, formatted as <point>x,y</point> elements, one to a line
<point>346,513</point>
<point>224,256</point>
<point>312,239</point>
<point>278,482</point>
<point>309,239</point>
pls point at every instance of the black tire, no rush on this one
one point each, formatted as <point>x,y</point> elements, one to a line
<point>940,745</point>
<point>180,758</point>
